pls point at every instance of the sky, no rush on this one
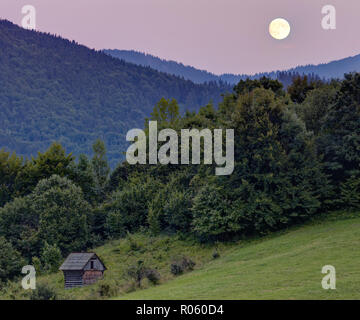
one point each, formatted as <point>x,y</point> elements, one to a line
<point>221,36</point>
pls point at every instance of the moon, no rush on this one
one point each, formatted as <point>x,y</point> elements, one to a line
<point>279,29</point>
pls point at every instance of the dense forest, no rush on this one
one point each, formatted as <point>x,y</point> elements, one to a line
<point>326,71</point>
<point>297,154</point>
<point>53,89</point>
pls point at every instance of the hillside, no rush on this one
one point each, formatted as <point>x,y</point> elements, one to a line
<point>334,69</point>
<point>53,89</point>
<point>285,265</point>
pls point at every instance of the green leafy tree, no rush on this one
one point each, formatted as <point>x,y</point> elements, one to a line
<point>166,111</point>
<point>63,214</point>
<point>300,87</point>
<point>277,180</point>
<point>82,175</point>
<point>127,210</point>
<point>212,215</point>
<point>340,135</point>
<point>19,224</point>
<point>11,261</point>
<point>52,161</point>
<point>316,106</point>
<point>350,193</point>
<point>10,167</point>
<point>100,167</point>
<point>248,85</point>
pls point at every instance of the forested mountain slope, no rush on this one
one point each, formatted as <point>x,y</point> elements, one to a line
<point>53,89</point>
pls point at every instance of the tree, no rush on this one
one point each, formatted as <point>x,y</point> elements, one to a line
<point>248,85</point>
<point>10,167</point>
<point>212,214</point>
<point>52,161</point>
<point>166,112</point>
<point>19,224</point>
<point>339,138</point>
<point>299,88</point>
<point>277,180</point>
<point>317,105</point>
<point>127,209</point>
<point>11,261</point>
<point>82,175</point>
<point>63,214</point>
<point>100,167</point>
<point>350,193</point>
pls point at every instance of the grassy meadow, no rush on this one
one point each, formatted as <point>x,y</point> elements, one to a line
<point>284,265</point>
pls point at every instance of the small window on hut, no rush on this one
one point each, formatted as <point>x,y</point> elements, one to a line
<point>92,264</point>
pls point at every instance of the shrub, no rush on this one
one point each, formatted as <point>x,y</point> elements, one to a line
<point>137,272</point>
<point>182,265</point>
<point>153,276</point>
<point>51,257</point>
<point>134,245</point>
<point>43,292</point>
<point>216,254</point>
<point>106,289</point>
<point>36,262</point>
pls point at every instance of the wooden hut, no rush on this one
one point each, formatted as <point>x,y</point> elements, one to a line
<point>82,269</point>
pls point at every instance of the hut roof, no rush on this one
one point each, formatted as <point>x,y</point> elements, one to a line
<point>78,261</point>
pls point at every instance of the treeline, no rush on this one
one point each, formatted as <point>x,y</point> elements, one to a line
<point>296,154</point>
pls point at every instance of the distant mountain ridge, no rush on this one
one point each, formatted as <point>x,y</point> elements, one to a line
<point>331,70</point>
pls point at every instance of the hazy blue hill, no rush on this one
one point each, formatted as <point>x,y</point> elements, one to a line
<point>335,69</point>
<point>171,67</point>
<point>53,89</point>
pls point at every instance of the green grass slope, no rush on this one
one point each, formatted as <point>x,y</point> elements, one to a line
<point>284,265</point>
<point>280,267</point>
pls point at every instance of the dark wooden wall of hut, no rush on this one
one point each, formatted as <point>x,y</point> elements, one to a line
<point>73,279</point>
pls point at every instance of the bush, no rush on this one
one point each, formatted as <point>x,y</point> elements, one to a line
<point>182,265</point>
<point>51,258</point>
<point>43,292</point>
<point>153,276</point>
<point>134,245</point>
<point>216,254</point>
<point>106,289</point>
<point>139,272</point>
<point>36,262</point>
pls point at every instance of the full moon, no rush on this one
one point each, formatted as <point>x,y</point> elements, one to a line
<point>279,29</point>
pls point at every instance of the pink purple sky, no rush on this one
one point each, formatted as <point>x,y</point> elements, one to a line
<point>221,36</point>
